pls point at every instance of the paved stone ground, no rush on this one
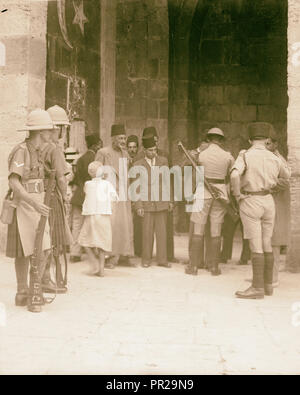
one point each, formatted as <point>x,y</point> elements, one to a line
<point>153,321</point>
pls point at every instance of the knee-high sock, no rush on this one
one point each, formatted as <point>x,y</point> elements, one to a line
<point>258,264</point>
<point>215,244</point>
<point>21,267</point>
<point>276,252</point>
<point>195,250</point>
<point>269,264</point>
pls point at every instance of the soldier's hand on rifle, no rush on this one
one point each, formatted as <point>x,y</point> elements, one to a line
<point>141,212</point>
<point>42,209</point>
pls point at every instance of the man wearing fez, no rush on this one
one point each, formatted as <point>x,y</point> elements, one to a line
<point>255,173</point>
<point>116,157</point>
<point>94,143</point>
<point>153,213</point>
<point>150,132</point>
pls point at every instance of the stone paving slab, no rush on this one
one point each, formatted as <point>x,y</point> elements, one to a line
<point>152,321</point>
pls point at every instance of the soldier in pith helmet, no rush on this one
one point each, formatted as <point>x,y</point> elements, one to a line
<point>53,158</point>
<point>26,181</point>
<point>217,164</point>
<point>255,173</point>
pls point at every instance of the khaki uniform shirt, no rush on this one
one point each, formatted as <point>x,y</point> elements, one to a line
<point>217,164</point>
<point>260,169</point>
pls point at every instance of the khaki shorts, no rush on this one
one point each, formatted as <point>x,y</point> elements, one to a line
<point>258,216</point>
<point>213,209</point>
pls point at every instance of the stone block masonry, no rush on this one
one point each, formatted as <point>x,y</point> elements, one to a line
<point>23,31</point>
<point>142,58</point>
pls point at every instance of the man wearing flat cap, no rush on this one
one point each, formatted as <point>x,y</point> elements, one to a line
<point>132,147</point>
<point>255,173</point>
<point>153,213</point>
<point>116,157</point>
<point>217,164</point>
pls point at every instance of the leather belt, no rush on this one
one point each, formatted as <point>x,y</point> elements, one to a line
<point>34,186</point>
<point>258,193</point>
<point>216,181</point>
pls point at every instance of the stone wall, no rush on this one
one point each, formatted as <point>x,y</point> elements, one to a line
<point>239,74</point>
<point>293,131</point>
<point>73,67</point>
<point>142,66</point>
<point>22,79</point>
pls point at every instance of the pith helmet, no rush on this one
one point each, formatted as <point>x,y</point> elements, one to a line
<point>216,132</point>
<point>59,116</point>
<point>260,130</point>
<point>38,120</point>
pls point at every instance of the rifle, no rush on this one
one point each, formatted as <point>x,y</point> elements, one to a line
<point>36,298</point>
<point>215,193</point>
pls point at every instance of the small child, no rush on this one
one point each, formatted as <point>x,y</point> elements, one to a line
<point>96,232</point>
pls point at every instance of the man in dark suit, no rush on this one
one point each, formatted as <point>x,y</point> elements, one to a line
<point>148,133</point>
<point>94,143</point>
<point>153,212</point>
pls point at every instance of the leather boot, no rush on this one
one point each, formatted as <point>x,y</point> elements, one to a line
<point>201,263</point>
<point>195,254</point>
<point>215,244</point>
<point>21,268</point>
<point>268,273</point>
<point>256,291</point>
<point>35,298</point>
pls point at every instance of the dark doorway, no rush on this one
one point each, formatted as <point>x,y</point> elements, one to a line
<point>233,70</point>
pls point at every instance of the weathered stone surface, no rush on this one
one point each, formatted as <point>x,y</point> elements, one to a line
<point>260,94</point>
<point>243,113</point>
<point>142,64</point>
<point>209,95</point>
<point>214,113</point>
<point>22,79</point>
<point>236,94</point>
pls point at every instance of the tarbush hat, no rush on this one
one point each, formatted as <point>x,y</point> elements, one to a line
<point>260,130</point>
<point>150,132</point>
<point>59,116</point>
<point>149,142</point>
<point>133,139</point>
<point>215,132</point>
<point>117,130</point>
<point>38,120</point>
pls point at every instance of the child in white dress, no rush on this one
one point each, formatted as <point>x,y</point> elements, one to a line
<point>96,232</point>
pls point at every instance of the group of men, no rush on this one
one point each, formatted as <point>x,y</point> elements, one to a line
<point>253,179</point>
<point>133,224</point>
<point>256,180</point>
